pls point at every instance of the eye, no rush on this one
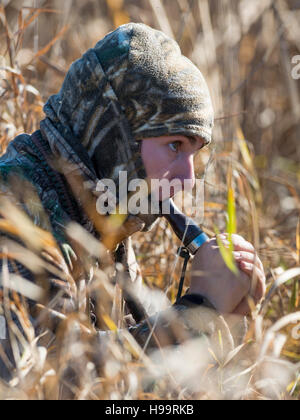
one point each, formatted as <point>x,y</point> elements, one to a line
<point>175,146</point>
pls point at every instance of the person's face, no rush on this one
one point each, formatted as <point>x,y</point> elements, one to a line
<point>171,157</point>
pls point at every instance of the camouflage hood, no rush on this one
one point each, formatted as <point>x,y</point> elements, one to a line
<point>134,84</point>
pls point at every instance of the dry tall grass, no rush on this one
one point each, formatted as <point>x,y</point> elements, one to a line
<point>245,49</point>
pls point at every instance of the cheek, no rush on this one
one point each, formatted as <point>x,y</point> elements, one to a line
<point>155,159</point>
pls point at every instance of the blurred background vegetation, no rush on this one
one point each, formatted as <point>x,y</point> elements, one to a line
<point>245,51</point>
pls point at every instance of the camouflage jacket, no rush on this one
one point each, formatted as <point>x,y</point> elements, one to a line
<point>133,84</point>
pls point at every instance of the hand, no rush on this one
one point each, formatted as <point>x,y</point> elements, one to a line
<point>248,261</point>
<point>212,279</point>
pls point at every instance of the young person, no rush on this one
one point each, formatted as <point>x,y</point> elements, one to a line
<point>134,104</point>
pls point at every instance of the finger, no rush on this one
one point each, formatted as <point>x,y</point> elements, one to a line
<point>258,280</point>
<point>234,236</point>
<point>245,252</point>
<point>249,268</point>
<point>240,244</point>
<point>244,246</point>
<point>249,257</point>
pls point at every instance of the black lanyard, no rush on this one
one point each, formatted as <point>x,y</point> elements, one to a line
<point>183,252</point>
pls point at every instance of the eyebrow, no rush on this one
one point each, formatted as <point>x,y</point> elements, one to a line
<point>194,139</point>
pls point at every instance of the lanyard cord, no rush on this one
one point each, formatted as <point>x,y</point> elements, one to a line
<point>183,253</point>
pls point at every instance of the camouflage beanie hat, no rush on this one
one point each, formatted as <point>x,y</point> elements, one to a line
<point>134,84</point>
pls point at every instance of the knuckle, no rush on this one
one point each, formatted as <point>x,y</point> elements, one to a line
<point>238,238</point>
<point>247,255</point>
<point>250,246</point>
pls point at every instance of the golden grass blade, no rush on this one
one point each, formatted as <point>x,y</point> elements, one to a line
<point>226,254</point>
<point>231,210</point>
<point>292,318</point>
<point>23,25</point>
<point>50,44</point>
<point>24,287</point>
<point>298,240</point>
<point>18,221</point>
<point>285,277</point>
<point>247,158</point>
<point>295,295</point>
<point>109,322</point>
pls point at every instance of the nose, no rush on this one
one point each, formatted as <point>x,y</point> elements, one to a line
<point>185,170</point>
